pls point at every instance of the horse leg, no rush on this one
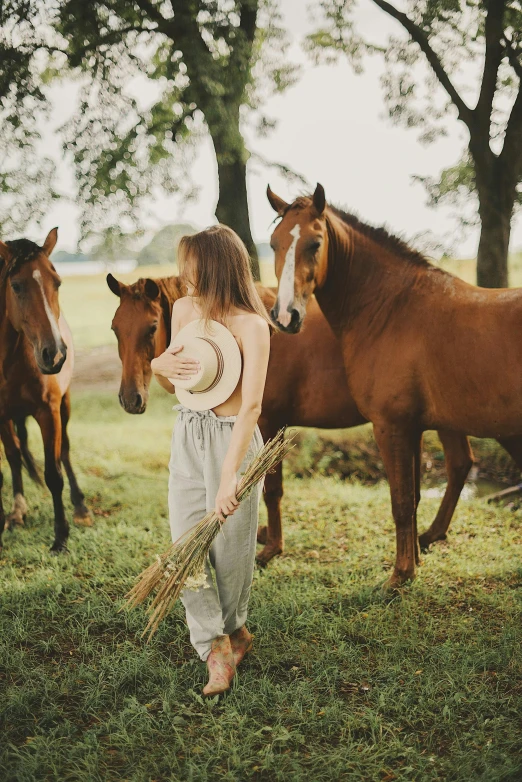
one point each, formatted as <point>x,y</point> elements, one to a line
<point>417,478</point>
<point>81,516</point>
<point>513,445</point>
<point>14,457</point>
<point>50,424</point>
<point>273,539</point>
<point>459,460</point>
<point>2,515</point>
<point>397,447</point>
<point>27,456</point>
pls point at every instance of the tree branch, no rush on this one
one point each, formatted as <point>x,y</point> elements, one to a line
<point>155,15</point>
<point>110,38</point>
<point>422,40</point>
<point>513,54</point>
<point>493,32</point>
<point>241,53</point>
<point>511,154</point>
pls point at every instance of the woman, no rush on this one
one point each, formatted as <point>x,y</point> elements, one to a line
<point>210,447</point>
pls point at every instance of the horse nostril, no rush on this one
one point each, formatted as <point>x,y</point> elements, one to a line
<point>46,356</point>
<point>295,318</point>
<point>139,400</point>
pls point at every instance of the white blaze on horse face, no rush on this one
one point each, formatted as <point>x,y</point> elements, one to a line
<point>287,282</point>
<point>50,314</point>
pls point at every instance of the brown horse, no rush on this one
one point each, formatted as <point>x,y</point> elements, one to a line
<point>305,386</point>
<point>36,363</point>
<point>422,349</point>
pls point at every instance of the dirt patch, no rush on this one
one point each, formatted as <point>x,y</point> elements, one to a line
<point>97,369</point>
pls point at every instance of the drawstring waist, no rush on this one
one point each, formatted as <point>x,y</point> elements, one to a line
<point>198,417</point>
<point>205,414</point>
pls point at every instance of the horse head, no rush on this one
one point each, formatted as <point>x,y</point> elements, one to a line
<point>30,284</point>
<point>300,245</point>
<point>142,327</point>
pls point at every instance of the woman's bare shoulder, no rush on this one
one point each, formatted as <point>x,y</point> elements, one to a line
<point>250,324</point>
<point>183,304</point>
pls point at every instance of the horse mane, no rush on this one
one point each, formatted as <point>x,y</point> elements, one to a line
<point>23,251</point>
<point>379,234</point>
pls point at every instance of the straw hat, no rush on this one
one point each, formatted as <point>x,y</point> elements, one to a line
<point>220,358</point>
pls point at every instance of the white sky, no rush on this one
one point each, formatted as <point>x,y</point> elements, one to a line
<point>331,127</point>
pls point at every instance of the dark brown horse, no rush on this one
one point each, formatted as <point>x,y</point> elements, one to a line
<point>305,386</point>
<point>36,363</point>
<point>422,349</point>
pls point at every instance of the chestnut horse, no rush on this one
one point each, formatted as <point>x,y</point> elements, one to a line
<point>422,349</point>
<point>36,363</point>
<point>305,386</point>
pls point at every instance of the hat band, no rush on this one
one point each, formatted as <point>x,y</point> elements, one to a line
<point>219,371</point>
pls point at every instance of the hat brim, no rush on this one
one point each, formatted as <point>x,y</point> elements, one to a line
<point>232,363</point>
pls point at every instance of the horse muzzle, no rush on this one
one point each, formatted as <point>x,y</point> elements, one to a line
<point>289,322</point>
<point>132,401</point>
<point>51,358</point>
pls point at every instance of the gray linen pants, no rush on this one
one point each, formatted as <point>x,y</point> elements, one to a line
<point>199,444</point>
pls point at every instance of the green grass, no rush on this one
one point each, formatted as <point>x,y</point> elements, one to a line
<point>343,684</point>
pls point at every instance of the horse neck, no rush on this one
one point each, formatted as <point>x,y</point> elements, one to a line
<point>170,291</point>
<point>362,277</point>
<point>10,339</point>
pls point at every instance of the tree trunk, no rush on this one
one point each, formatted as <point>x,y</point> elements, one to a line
<point>492,255</point>
<point>232,205</point>
<point>496,192</point>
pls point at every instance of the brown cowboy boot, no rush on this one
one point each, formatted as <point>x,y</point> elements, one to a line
<point>242,642</point>
<point>221,666</point>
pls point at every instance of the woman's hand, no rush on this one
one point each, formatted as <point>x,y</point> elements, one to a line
<point>226,500</point>
<point>171,366</point>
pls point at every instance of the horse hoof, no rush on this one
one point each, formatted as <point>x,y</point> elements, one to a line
<point>425,541</point>
<point>14,520</point>
<point>83,518</point>
<point>262,534</point>
<point>268,553</point>
<point>59,548</point>
<point>396,581</point>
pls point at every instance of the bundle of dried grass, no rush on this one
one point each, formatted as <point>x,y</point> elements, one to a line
<point>182,566</point>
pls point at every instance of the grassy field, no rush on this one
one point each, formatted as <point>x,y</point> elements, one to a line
<point>343,683</point>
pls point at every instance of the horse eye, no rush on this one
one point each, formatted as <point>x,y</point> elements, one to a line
<point>314,247</point>
<point>153,329</point>
<point>17,288</point>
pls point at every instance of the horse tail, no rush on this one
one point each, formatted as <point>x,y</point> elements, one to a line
<point>27,457</point>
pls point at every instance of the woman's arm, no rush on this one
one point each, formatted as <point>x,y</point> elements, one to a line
<point>256,349</point>
<point>167,364</point>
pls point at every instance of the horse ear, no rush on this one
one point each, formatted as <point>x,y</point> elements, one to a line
<point>277,204</point>
<point>50,241</point>
<point>5,252</point>
<point>319,199</point>
<point>151,288</point>
<point>113,284</point>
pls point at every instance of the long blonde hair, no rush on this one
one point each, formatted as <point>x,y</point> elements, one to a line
<point>219,264</point>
